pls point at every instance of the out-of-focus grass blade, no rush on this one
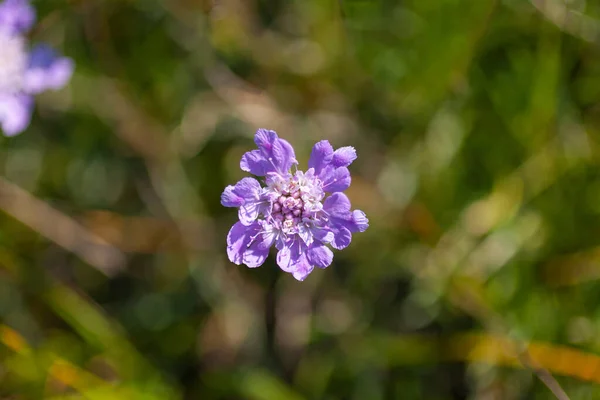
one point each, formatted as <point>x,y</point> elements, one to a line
<point>59,228</point>
<point>474,347</point>
<point>99,331</point>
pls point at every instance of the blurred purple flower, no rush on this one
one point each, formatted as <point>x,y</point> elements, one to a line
<point>292,210</point>
<point>24,72</point>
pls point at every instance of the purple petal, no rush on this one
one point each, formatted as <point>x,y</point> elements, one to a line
<point>248,188</point>
<point>342,238</point>
<point>360,220</point>
<point>268,235</point>
<point>285,260</point>
<point>248,213</point>
<point>16,15</point>
<point>278,152</point>
<point>264,139</point>
<point>255,163</point>
<point>15,113</point>
<point>258,250</point>
<point>47,70</point>
<point>344,156</point>
<point>273,155</point>
<point>238,238</point>
<point>355,221</point>
<point>292,258</point>
<point>321,156</point>
<point>255,255</point>
<point>323,235</point>
<point>283,156</point>
<point>246,244</point>
<point>319,256</point>
<point>336,180</point>
<point>305,234</point>
<point>230,199</point>
<point>340,219</point>
<point>290,255</point>
<point>303,269</point>
<point>338,203</point>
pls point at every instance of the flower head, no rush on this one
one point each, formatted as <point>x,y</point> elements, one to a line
<point>301,213</point>
<point>23,71</point>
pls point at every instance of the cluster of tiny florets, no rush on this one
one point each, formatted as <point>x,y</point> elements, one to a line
<point>293,203</point>
<point>288,208</point>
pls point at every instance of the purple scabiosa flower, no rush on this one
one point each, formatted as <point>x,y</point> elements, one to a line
<point>298,212</point>
<point>24,72</point>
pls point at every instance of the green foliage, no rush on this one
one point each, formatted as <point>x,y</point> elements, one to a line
<point>476,125</point>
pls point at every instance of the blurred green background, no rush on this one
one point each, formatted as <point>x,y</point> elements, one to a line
<point>477,125</point>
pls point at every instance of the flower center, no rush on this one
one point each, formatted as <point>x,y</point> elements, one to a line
<point>13,62</point>
<point>288,209</point>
